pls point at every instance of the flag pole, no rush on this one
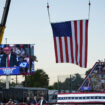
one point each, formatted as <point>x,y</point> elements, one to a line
<point>7,76</point>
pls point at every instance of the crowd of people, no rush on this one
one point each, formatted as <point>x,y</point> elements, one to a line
<point>21,55</point>
<point>96,79</point>
<point>29,101</point>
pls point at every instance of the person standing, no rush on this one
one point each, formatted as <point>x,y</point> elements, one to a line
<point>42,101</point>
<point>34,102</point>
<point>28,101</point>
<point>8,58</point>
<point>1,54</point>
<point>23,65</point>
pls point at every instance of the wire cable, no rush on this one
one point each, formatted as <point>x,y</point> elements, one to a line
<point>89,10</point>
<point>48,11</point>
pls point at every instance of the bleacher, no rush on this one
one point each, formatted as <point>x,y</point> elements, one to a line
<point>95,80</point>
<point>91,91</point>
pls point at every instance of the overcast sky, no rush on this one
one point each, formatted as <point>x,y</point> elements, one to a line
<point>28,23</point>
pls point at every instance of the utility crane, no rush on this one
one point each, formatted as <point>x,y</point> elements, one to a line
<point>4,19</point>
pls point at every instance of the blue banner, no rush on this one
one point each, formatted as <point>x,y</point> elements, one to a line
<point>9,71</point>
<point>86,88</point>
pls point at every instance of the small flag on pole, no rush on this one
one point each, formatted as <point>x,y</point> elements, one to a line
<point>71,42</point>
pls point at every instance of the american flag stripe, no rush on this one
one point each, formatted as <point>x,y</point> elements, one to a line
<point>73,49</point>
<point>58,49</point>
<point>81,42</point>
<point>64,54</point>
<point>69,51</point>
<point>83,50</point>
<point>78,39</point>
<point>61,49</point>
<point>55,46</point>
<point>71,45</point>
<point>73,37</point>
<point>66,49</point>
<point>86,42</point>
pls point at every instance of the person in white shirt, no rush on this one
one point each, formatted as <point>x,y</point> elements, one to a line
<point>42,101</point>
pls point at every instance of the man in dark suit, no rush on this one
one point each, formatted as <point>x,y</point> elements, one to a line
<point>34,102</point>
<point>42,101</point>
<point>8,59</point>
<point>1,54</point>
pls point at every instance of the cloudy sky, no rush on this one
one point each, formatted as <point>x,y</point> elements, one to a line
<point>28,23</point>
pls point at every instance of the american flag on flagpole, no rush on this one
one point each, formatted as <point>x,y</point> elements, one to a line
<point>71,42</point>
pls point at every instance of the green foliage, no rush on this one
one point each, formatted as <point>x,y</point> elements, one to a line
<point>38,79</point>
<point>54,86</point>
<point>87,72</point>
<point>76,81</point>
<point>34,58</point>
<point>70,84</point>
<point>2,83</point>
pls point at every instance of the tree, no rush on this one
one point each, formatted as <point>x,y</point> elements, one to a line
<point>76,81</point>
<point>38,79</point>
<point>54,86</point>
<point>71,83</point>
<point>87,72</point>
<point>2,83</point>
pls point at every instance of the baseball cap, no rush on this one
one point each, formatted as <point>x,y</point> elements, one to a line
<point>7,49</point>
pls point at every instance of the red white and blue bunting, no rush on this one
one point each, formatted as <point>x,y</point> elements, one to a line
<point>81,98</point>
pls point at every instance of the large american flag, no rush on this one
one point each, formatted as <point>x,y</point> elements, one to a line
<point>71,42</point>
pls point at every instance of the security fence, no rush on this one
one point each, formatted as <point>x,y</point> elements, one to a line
<point>20,94</point>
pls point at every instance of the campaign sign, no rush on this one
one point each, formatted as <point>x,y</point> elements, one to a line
<point>9,71</point>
